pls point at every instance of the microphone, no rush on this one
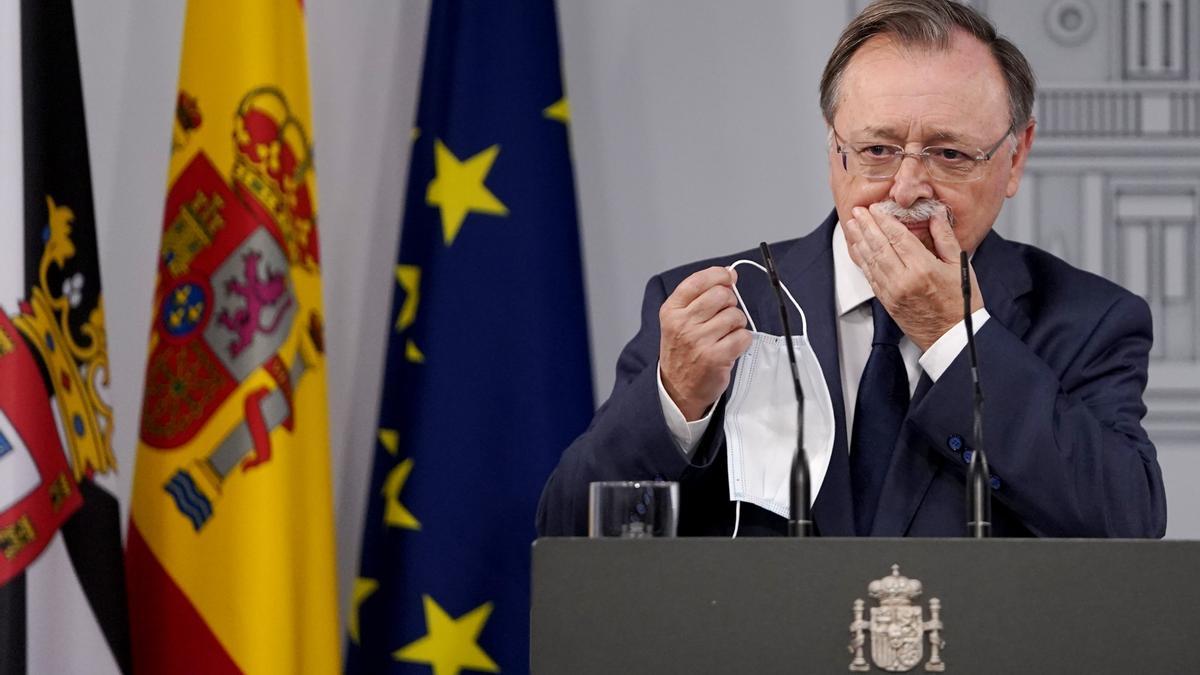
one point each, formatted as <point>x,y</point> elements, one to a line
<point>979,495</point>
<point>800,483</point>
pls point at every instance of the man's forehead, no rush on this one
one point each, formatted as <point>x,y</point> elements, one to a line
<point>965,63</point>
<point>960,47</point>
<point>916,93</point>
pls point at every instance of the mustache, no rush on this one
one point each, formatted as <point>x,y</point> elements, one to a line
<point>922,209</point>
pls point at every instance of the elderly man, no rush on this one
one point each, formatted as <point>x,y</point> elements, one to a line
<point>930,127</point>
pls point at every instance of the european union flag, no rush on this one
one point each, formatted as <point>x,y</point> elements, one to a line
<point>488,375</point>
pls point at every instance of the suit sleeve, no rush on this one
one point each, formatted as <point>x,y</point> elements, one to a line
<point>628,438</point>
<point>1065,445</point>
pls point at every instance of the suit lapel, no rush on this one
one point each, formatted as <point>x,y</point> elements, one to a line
<point>807,270</point>
<point>1003,279</point>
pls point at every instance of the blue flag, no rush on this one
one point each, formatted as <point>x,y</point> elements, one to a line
<point>488,375</point>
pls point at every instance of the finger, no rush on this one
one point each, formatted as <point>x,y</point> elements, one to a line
<point>853,231</point>
<point>870,272</point>
<point>902,240</point>
<point>881,255</point>
<point>872,237</point>
<point>721,324</point>
<point>729,348</point>
<point>945,244</point>
<point>854,241</point>
<point>861,254</point>
<point>692,287</point>
<point>710,303</point>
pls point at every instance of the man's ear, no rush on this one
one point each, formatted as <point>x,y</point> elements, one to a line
<point>1019,156</point>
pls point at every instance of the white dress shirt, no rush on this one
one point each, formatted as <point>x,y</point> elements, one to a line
<point>855,331</point>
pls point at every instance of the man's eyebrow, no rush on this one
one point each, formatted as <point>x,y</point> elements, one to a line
<point>944,136</point>
<point>884,133</point>
<point>893,134</point>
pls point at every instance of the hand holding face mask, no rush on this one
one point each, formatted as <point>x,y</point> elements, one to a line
<point>703,334</point>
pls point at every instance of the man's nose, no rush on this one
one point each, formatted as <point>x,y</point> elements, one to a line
<point>911,182</point>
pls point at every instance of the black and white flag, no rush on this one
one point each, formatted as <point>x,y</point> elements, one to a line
<point>62,589</point>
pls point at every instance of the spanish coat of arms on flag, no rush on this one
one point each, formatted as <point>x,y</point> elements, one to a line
<point>230,549</point>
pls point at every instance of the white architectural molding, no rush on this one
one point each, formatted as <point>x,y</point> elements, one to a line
<point>1093,217</point>
<point>1112,110</point>
<point>1173,403</point>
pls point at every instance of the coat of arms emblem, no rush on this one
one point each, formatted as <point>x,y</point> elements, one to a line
<point>897,627</point>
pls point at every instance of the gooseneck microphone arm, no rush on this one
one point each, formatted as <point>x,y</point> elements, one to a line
<point>979,495</point>
<point>799,483</point>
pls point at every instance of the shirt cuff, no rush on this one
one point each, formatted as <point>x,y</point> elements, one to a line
<point>686,434</point>
<point>942,353</point>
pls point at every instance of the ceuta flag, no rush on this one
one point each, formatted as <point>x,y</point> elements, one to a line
<point>62,606</point>
<point>230,549</point>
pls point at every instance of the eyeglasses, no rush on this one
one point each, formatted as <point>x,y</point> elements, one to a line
<point>944,163</point>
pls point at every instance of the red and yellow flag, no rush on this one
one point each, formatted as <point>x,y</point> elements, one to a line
<point>231,544</point>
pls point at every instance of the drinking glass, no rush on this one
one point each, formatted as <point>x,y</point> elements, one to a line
<point>633,509</point>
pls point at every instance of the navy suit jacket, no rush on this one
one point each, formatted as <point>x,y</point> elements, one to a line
<point>1062,361</point>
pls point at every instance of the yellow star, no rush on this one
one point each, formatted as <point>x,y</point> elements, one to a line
<point>363,588</point>
<point>412,353</point>
<point>394,513</point>
<point>390,440</point>
<point>458,188</point>
<point>560,111</point>
<point>450,645</point>
<point>409,278</point>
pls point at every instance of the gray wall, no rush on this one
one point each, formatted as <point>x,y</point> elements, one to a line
<point>695,132</point>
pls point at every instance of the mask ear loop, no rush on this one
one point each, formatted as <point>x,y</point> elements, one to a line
<point>746,310</point>
<point>737,505</point>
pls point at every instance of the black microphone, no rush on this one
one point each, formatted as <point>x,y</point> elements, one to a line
<point>800,484</point>
<point>979,488</point>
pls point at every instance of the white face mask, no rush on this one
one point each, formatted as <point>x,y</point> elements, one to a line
<point>760,416</point>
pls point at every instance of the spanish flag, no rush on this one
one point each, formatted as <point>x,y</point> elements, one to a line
<point>230,552</point>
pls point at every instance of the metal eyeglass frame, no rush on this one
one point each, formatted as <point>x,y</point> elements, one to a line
<point>922,156</point>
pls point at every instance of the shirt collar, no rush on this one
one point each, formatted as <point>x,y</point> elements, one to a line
<point>850,285</point>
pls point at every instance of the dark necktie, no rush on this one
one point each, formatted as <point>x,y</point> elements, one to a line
<point>878,414</point>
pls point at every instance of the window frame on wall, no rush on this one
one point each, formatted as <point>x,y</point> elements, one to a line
<point>1173,295</point>
<point>1157,40</point>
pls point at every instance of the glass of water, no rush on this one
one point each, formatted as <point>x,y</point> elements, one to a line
<point>633,509</point>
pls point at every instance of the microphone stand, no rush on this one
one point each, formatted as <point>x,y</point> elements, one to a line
<point>800,483</point>
<point>979,495</point>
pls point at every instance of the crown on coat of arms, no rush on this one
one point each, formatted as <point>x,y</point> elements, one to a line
<point>896,589</point>
<point>272,160</point>
<point>78,368</point>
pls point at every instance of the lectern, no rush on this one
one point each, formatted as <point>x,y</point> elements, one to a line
<point>865,605</point>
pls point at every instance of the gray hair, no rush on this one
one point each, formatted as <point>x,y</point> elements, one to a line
<point>929,24</point>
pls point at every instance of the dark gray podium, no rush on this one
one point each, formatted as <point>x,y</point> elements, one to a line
<point>787,605</point>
